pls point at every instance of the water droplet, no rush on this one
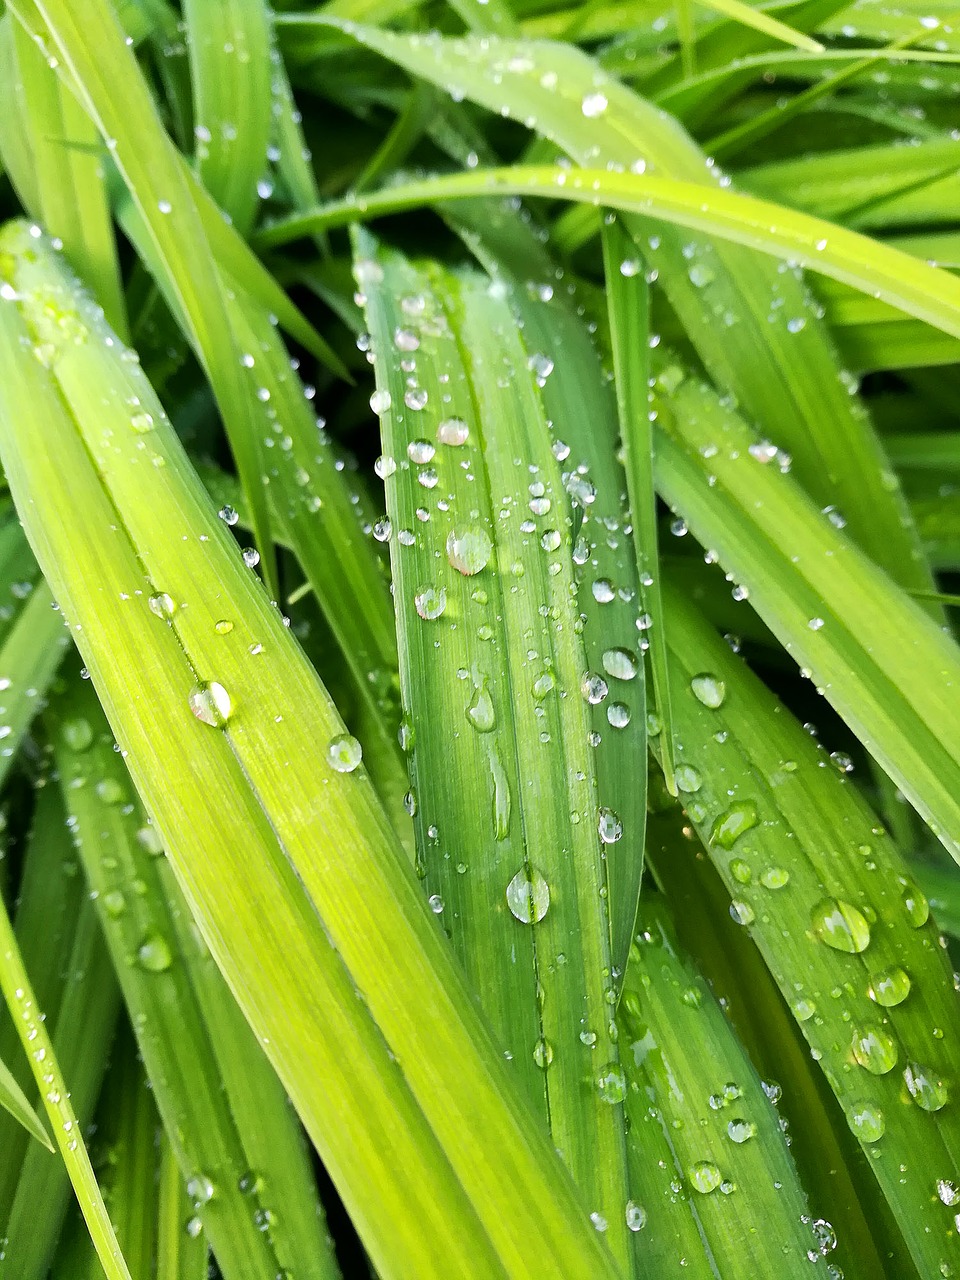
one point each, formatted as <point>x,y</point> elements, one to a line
<point>603,591</point>
<point>840,925</point>
<point>803,1010</point>
<point>381,400</point>
<point>708,689</point>
<point>154,954</point>
<point>435,902</point>
<point>200,1188</point>
<point>453,431</point>
<point>741,1130</point>
<point>874,1049</point>
<point>636,1216</point>
<point>704,1177</point>
<point>210,703</point>
<point>741,912</point>
<point>405,340</point>
<point>741,871</point>
<point>774,877</point>
<point>687,778</point>
<point>593,105</point>
<point>618,714</point>
<point>385,466</point>
<point>914,902</point>
<point>251,557</point>
<point>621,664</point>
<point>528,896</point>
<point>866,1121</point>
<point>890,986</point>
<point>948,1192</point>
<point>142,423</point>
<point>162,605</point>
<point>430,602</point>
<point>469,550</point>
<point>420,451</point>
<point>700,275</point>
<point>481,712</point>
<point>110,791</point>
<point>925,1087</point>
<point>593,687</point>
<point>223,627</point>
<point>543,1053</point>
<point>415,398</point>
<point>77,734</point>
<point>733,823</point>
<point>344,753</point>
<point>609,826</point>
<point>612,1084</point>
<point>114,903</point>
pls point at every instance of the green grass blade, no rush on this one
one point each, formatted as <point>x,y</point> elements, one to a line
<point>578,401</point>
<point>18,995</point>
<point>269,837</point>
<point>767,25</point>
<point>491,670</point>
<point>229,46</point>
<point>879,660</point>
<point>181,1255</point>
<point>92,46</point>
<point>628,302</point>
<point>14,1101</point>
<point>724,1138</point>
<point>827,899</point>
<point>220,1100</point>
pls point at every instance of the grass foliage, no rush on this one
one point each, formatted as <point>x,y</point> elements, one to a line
<point>479,539</point>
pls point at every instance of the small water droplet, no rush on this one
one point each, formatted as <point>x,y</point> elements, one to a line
<point>223,627</point>
<point>481,712</point>
<point>609,826</point>
<point>415,398</point>
<point>381,400</point>
<point>840,925</point>
<point>618,715</point>
<point>708,689</point>
<point>142,423</point>
<point>621,664</point>
<point>889,986</point>
<point>948,1192</point>
<point>344,753</point>
<point>435,903</point>
<point>915,903</point>
<point>420,451</point>
<point>543,1053</point>
<point>78,734</point>
<point>866,1120</point>
<point>733,823</point>
<point>636,1216</point>
<point>593,687</point>
<point>612,1084</point>
<point>874,1049</point>
<point>469,550</point>
<point>528,896</point>
<point>453,432</point>
<point>603,591</point>
<point>740,1131</point>
<point>593,105</point>
<point>210,703</point>
<point>200,1188</point>
<point>163,605</point>
<point>687,778</point>
<point>251,557</point>
<point>154,954</point>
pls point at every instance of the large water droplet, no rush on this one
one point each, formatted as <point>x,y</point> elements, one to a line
<point>840,925</point>
<point>593,687</point>
<point>741,1130</point>
<point>528,896</point>
<point>469,550</point>
<point>874,1049</point>
<point>543,1053</point>
<point>612,1084</point>
<point>925,1087</point>
<point>163,605</point>
<point>867,1122</point>
<point>344,753</point>
<point>453,431</point>
<point>620,663</point>
<point>914,902</point>
<point>708,689</point>
<point>733,823</point>
<point>154,954</point>
<point>636,1216</point>
<point>200,1188</point>
<point>381,401</point>
<point>704,1177</point>
<point>430,602</point>
<point>481,712</point>
<point>890,986</point>
<point>210,703</point>
<point>687,778</point>
<point>609,826</point>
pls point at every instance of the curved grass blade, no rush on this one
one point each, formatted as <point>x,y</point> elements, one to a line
<point>492,669</point>
<point>229,47</point>
<point>577,401</point>
<point>14,1102</point>
<point>760,21</point>
<point>688,1075</point>
<point>754,325</point>
<point>237,1144</point>
<point>269,836</point>
<point>871,650</point>
<point>73,983</point>
<point>841,925</point>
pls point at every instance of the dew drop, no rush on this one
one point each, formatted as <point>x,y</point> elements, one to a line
<point>915,903</point>
<point>154,954</point>
<point>840,925</point>
<point>704,1177</point>
<point>866,1121</point>
<point>733,823</point>
<point>344,753</point>
<point>453,431</point>
<point>381,400</point>
<point>612,1084</point>
<point>708,689</point>
<point>889,987</point>
<point>636,1216</point>
<point>874,1049</point>
<point>481,712</point>
<point>603,591</point>
<point>687,778</point>
<point>469,550</point>
<point>420,451</point>
<point>77,734</point>
<point>528,896</point>
<point>925,1087</point>
<point>609,826</point>
<point>740,1131</point>
<point>430,602</point>
<point>621,664</point>
<point>415,398</point>
<point>593,687</point>
<point>163,605</point>
<point>593,105</point>
<point>543,1053</point>
<point>618,715</point>
<point>200,1188</point>
<point>210,703</point>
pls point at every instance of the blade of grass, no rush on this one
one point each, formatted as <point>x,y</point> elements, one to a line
<point>761,21</point>
<point>491,672</point>
<point>221,1103</point>
<point>229,47</point>
<point>14,1101</point>
<point>269,837</point>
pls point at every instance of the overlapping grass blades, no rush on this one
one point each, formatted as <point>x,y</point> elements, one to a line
<point>265,828</point>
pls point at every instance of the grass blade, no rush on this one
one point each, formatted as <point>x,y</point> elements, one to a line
<point>14,1102</point>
